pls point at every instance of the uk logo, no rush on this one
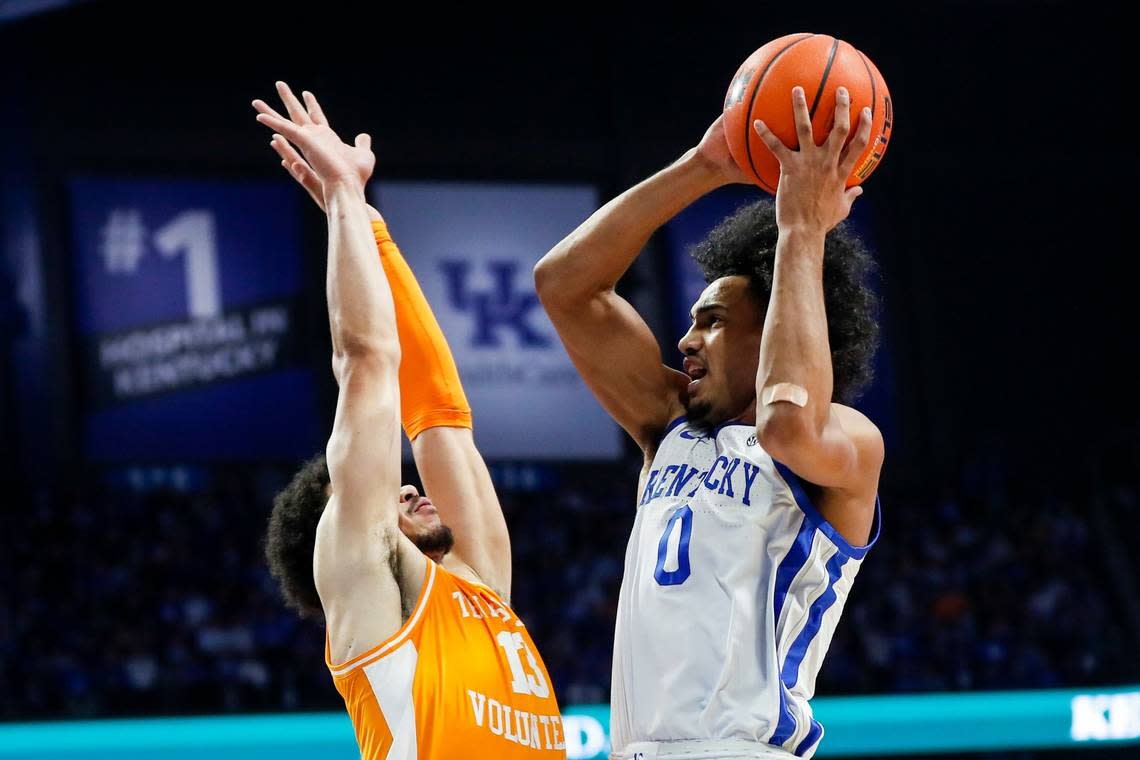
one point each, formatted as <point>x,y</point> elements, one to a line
<point>502,308</point>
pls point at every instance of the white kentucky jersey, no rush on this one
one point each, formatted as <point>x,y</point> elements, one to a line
<point>733,586</point>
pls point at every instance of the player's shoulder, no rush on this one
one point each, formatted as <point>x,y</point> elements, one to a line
<point>855,422</point>
<point>865,436</point>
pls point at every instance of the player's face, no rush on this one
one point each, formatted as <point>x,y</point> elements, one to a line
<point>420,522</point>
<point>417,513</point>
<point>722,352</point>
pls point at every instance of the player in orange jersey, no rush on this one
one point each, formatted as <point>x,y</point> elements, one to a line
<point>421,641</point>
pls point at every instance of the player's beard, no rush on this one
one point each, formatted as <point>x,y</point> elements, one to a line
<point>435,542</point>
<point>700,416</point>
<point>714,406</point>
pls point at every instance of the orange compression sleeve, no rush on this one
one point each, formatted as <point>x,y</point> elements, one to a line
<point>431,394</point>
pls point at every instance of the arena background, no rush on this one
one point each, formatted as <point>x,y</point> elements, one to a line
<point>163,352</point>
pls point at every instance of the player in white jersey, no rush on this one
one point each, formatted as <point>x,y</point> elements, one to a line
<point>758,500</point>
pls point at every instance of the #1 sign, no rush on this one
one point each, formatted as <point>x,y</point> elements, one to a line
<point>187,307</point>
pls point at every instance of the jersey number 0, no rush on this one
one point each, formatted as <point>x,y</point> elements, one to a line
<point>673,549</point>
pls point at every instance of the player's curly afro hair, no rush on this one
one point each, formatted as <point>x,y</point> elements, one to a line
<point>745,244</point>
<point>292,534</point>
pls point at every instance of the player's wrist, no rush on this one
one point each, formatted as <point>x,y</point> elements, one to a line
<point>802,239</point>
<point>802,228</point>
<point>703,168</point>
<point>342,188</point>
<point>345,182</point>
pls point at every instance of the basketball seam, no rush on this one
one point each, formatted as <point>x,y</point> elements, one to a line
<point>752,102</point>
<point>871,76</point>
<point>823,81</point>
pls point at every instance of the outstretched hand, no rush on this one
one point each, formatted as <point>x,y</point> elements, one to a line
<point>813,190</point>
<point>294,163</point>
<point>324,159</point>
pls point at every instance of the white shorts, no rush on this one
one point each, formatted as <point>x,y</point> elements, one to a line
<point>700,749</point>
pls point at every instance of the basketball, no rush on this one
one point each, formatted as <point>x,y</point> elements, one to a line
<point>762,89</point>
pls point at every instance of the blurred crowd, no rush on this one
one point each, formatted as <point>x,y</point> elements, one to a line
<point>122,597</point>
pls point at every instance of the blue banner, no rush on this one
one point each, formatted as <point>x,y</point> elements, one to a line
<point>187,304</point>
<point>473,248</point>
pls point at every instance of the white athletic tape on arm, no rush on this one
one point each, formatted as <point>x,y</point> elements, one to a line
<point>789,392</point>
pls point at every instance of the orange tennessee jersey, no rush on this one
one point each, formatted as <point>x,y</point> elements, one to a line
<point>460,679</point>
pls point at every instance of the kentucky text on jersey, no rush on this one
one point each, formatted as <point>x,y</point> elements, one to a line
<point>683,480</point>
<point>733,586</point>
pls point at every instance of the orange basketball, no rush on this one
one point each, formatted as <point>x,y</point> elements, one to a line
<point>762,89</point>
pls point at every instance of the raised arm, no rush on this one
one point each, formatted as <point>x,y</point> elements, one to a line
<point>607,340</point>
<point>437,420</point>
<point>827,444</point>
<point>358,532</point>
<point>434,409</point>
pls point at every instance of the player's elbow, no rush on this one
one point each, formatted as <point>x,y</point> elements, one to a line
<point>560,282</point>
<point>360,342</point>
<point>370,348</point>
<point>545,277</point>
<point>353,351</point>
<point>784,428</point>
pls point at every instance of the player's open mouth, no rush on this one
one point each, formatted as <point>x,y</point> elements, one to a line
<point>694,369</point>
<point>695,372</point>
